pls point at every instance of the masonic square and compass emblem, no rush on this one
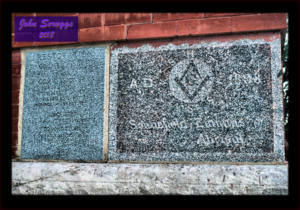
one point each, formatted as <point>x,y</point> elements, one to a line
<point>191,80</point>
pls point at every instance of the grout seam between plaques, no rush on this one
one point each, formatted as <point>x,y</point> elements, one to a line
<point>106,102</point>
<point>21,97</point>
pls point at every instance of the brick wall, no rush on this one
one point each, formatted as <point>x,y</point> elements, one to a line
<point>103,27</point>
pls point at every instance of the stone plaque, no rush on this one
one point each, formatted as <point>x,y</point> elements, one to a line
<point>63,104</point>
<point>210,101</point>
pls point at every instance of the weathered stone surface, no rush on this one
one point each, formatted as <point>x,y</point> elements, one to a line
<point>212,101</point>
<point>63,104</point>
<point>113,178</point>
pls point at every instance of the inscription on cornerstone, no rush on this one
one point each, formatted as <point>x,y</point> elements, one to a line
<point>63,104</point>
<point>211,101</point>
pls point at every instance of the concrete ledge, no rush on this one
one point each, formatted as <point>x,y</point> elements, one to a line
<point>61,178</point>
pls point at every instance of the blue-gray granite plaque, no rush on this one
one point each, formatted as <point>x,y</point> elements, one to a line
<point>63,104</point>
<point>210,101</point>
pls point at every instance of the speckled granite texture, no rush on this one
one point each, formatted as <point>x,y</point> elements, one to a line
<point>36,178</point>
<point>212,101</point>
<point>63,104</point>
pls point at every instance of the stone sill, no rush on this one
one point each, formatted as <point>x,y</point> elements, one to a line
<point>65,178</point>
<point>18,159</point>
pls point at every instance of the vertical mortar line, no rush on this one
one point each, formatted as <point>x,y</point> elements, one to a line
<point>125,31</point>
<point>102,18</point>
<point>176,28</point>
<point>21,95</point>
<point>106,102</point>
<point>231,24</point>
<point>151,17</point>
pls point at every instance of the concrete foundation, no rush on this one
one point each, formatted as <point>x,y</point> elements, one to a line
<point>63,178</point>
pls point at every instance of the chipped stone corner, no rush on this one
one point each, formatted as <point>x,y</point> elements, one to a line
<point>61,178</point>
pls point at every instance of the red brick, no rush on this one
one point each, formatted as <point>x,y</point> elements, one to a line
<point>204,26</point>
<point>114,18</point>
<point>36,44</point>
<point>156,30</point>
<point>114,33</point>
<point>87,20</point>
<point>259,22</point>
<point>106,33</point>
<point>138,18</point>
<point>160,17</point>
<point>14,139</point>
<point>126,18</point>
<point>90,34</point>
<point>15,83</point>
<point>15,97</point>
<point>14,125</point>
<point>223,14</point>
<point>16,57</point>
<point>16,68</point>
